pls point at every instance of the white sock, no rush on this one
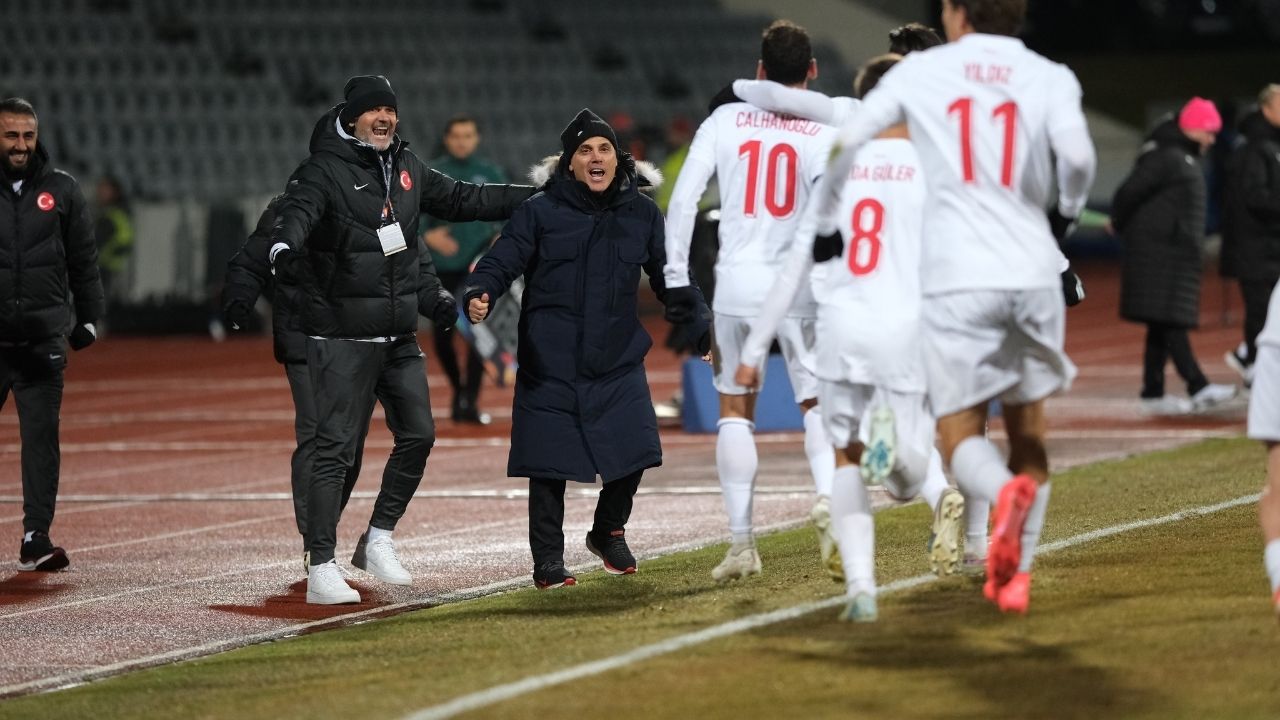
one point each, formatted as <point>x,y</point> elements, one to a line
<point>935,480</point>
<point>26,538</point>
<point>817,447</point>
<point>854,529</point>
<point>736,462</point>
<point>977,517</point>
<point>1272,558</point>
<point>979,468</point>
<point>1035,523</point>
<point>377,533</point>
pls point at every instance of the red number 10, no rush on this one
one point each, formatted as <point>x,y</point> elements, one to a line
<point>782,150</point>
<point>1006,111</point>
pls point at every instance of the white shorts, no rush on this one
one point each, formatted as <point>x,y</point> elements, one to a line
<point>1264,396</point>
<point>796,336</point>
<point>845,408</point>
<point>980,345</point>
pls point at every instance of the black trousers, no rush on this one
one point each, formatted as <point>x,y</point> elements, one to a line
<point>304,455</point>
<point>1166,342</point>
<point>34,374</point>
<point>546,513</point>
<point>467,388</point>
<point>1257,296</point>
<point>346,377</point>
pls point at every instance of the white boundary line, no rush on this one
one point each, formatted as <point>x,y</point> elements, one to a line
<point>455,494</point>
<point>508,691</point>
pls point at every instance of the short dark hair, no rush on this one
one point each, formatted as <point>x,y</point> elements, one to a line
<point>996,17</point>
<point>785,52</point>
<point>17,106</point>
<point>459,119</point>
<point>911,37</point>
<point>871,72</point>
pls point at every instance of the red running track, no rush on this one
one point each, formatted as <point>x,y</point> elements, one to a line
<point>174,500</point>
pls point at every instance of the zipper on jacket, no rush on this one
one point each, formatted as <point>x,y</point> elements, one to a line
<point>17,258</point>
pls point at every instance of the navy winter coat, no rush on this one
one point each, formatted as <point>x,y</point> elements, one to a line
<point>582,404</point>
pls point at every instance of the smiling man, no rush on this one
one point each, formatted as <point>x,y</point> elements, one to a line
<point>48,265</point>
<point>340,235</point>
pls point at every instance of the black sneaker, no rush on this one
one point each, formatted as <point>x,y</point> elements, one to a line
<point>465,411</point>
<point>40,553</point>
<point>551,575</point>
<point>611,547</point>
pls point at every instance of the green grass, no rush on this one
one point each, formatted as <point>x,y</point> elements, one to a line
<point>1165,622</point>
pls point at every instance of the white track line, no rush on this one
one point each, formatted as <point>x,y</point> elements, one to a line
<point>80,677</point>
<point>508,691</point>
<point>513,494</point>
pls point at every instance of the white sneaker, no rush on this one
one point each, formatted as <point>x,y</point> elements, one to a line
<point>827,547</point>
<point>881,451</point>
<point>325,586</point>
<point>1212,395</point>
<point>740,562</point>
<point>944,545</point>
<point>1167,405</point>
<point>378,558</point>
<point>1237,363</point>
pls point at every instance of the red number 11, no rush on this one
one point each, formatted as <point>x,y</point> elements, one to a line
<point>1009,113</point>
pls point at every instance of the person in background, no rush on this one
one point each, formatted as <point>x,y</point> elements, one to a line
<point>454,247</point>
<point>48,269</point>
<point>1159,213</point>
<point>1252,218</point>
<point>113,228</point>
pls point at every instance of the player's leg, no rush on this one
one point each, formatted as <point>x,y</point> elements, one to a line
<point>851,520</point>
<point>1264,425</point>
<point>1025,425</point>
<point>546,533</point>
<point>607,538</point>
<point>1269,515</point>
<point>37,392</point>
<point>304,431</point>
<point>736,458</point>
<point>977,520</point>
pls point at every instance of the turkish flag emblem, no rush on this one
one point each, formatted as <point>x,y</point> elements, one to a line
<point>45,201</point>
<point>406,182</point>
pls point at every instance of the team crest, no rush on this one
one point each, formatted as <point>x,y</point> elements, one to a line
<point>45,201</point>
<point>406,182</point>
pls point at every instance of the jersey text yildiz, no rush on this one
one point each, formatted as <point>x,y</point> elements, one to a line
<point>984,113</point>
<point>869,299</point>
<point>766,164</point>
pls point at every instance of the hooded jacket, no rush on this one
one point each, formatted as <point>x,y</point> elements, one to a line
<point>333,208</point>
<point>1159,212</point>
<point>582,404</point>
<point>48,258</point>
<point>1252,201</point>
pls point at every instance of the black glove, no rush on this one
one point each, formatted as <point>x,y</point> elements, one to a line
<point>287,267</point>
<point>724,97</point>
<point>82,336</point>
<point>826,247</point>
<point>237,306</point>
<point>1072,288</point>
<point>445,312</point>
<point>1061,225</point>
<point>681,304</point>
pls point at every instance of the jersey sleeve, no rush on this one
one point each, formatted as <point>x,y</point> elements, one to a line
<point>776,97</point>
<point>682,212</point>
<point>1069,136</point>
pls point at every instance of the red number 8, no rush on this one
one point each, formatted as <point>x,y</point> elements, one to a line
<point>864,247</point>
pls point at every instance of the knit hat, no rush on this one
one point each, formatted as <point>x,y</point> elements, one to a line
<point>364,93</point>
<point>584,126</point>
<point>1199,114</point>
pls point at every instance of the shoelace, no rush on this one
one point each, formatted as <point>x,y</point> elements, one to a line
<point>385,545</point>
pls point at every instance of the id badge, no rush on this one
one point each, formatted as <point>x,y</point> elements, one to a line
<point>391,238</point>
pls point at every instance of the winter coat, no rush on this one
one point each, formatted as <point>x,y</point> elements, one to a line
<point>1159,213</point>
<point>249,272</point>
<point>333,208</point>
<point>1252,198</point>
<point>582,405</point>
<point>48,258</point>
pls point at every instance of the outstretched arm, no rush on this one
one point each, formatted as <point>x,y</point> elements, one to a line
<point>776,97</point>
<point>457,201</point>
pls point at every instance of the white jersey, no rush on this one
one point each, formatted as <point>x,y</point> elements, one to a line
<point>1270,334</point>
<point>810,104</point>
<point>766,165</point>
<point>985,114</point>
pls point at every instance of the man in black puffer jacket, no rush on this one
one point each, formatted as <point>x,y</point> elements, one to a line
<point>1252,219</point>
<point>350,206</point>
<point>48,264</point>
<point>1159,212</point>
<point>248,273</point>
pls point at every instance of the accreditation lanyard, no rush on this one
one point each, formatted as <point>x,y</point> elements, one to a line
<point>389,234</point>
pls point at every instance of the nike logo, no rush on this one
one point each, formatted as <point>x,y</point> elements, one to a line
<point>361,187</point>
<point>54,357</point>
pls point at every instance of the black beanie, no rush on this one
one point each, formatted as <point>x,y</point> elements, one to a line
<point>364,93</point>
<point>585,125</point>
